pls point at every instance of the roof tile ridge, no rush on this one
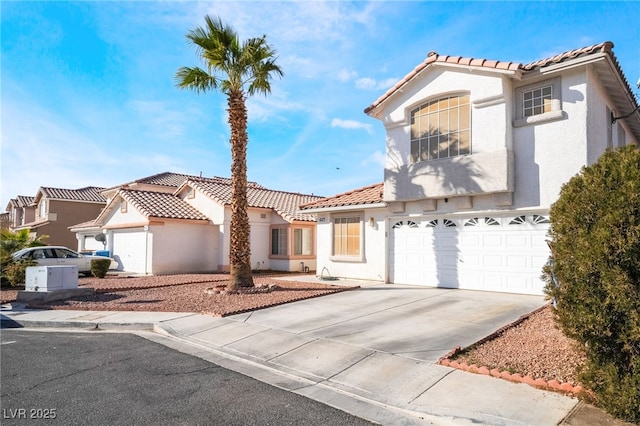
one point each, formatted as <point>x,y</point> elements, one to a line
<point>284,192</point>
<point>353,191</point>
<point>604,47</point>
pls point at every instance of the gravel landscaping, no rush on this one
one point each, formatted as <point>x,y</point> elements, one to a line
<point>535,347</point>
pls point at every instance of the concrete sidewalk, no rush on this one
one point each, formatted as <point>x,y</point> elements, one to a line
<point>371,352</point>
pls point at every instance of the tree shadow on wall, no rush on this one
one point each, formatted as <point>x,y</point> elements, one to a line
<point>451,172</point>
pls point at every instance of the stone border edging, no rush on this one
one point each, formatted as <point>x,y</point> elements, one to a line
<point>552,385</point>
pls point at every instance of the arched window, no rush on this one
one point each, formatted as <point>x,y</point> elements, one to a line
<point>441,128</point>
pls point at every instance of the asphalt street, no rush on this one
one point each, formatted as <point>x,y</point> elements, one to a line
<point>121,379</point>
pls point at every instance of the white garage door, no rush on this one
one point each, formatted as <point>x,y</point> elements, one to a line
<point>130,250</point>
<point>481,253</point>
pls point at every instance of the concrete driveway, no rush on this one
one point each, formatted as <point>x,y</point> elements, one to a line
<point>420,323</point>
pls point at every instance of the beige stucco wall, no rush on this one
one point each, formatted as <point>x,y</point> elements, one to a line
<point>62,215</point>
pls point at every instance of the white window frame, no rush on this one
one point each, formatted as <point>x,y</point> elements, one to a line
<point>556,112</point>
<point>342,257</point>
<point>42,208</point>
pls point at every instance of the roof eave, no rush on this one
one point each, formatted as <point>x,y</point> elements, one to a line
<point>346,208</point>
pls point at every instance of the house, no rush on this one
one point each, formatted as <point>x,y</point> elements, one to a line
<point>173,223</point>
<point>4,220</point>
<point>55,209</point>
<point>477,152</point>
<point>21,210</point>
<point>90,236</point>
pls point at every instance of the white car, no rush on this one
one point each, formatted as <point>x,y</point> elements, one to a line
<point>58,255</point>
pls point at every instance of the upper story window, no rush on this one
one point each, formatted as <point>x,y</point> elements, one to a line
<point>441,128</point>
<point>123,206</point>
<point>43,209</point>
<point>537,101</point>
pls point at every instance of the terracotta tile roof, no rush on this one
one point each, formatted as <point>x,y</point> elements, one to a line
<point>24,201</point>
<point>87,224</point>
<point>605,47</point>
<point>160,205</point>
<point>175,180</point>
<point>368,195</point>
<point>433,57</point>
<point>89,193</point>
<point>286,204</point>
<point>20,201</point>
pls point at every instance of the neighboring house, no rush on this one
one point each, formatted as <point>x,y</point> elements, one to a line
<point>56,209</point>
<point>4,220</point>
<point>21,210</point>
<point>87,232</point>
<point>153,227</point>
<point>477,152</point>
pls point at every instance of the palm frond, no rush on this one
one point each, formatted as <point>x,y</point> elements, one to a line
<point>195,79</point>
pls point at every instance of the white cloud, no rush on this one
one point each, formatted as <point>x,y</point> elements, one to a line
<point>366,83</point>
<point>160,120</point>
<point>387,83</point>
<point>378,158</point>
<point>350,124</point>
<point>345,75</point>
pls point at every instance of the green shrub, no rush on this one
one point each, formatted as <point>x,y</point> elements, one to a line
<point>99,267</point>
<point>595,232</point>
<point>15,271</point>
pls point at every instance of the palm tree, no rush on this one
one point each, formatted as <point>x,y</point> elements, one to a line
<point>237,69</point>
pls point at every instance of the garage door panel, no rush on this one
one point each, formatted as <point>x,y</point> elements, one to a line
<point>492,261</point>
<point>518,241</point>
<point>492,241</point>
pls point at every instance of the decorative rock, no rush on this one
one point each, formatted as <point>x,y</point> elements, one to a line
<point>484,370</point>
<point>567,387</point>
<point>554,384</point>
<point>540,382</point>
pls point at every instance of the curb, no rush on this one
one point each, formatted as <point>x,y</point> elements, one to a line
<point>81,325</point>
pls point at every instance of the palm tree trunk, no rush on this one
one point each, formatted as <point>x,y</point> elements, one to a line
<point>240,250</point>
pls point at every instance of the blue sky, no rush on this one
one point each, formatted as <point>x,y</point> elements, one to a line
<point>88,94</point>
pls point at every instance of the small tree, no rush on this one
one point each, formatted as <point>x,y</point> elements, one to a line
<point>595,231</point>
<point>11,242</point>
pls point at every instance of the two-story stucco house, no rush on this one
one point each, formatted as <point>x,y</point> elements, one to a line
<point>55,209</point>
<point>476,153</point>
<point>21,210</point>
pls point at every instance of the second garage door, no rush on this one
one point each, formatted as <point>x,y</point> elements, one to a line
<point>481,253</point>
<point>130,250</point>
